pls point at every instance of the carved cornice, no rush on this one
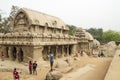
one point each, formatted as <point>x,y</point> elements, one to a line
<point>27,38</point>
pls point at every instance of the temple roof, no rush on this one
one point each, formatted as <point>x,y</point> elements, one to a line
<point>83,34</point>
<point>88,36</point>
<point>42,19</point>
<point>96,43</point>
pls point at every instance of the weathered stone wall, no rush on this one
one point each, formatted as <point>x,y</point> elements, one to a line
<point>37,52</point>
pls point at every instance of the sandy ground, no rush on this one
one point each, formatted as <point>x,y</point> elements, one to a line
<point>86,68</point>
<point>114,69</point>
<point>89,69</point>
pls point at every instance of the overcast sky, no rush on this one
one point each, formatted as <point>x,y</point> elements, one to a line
<point>81,13</point>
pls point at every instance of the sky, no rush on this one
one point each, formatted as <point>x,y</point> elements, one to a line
<point>81,13</point>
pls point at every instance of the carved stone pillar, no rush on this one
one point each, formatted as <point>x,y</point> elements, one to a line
<point>10,53</point>
<point>56,51</point>
<point>49,49</point>
<point>37,52</point>
<point>3,49</point>
<point>62,51</point>
<point>74,49</point>
<point>68,50</point>
<point>17,54</point>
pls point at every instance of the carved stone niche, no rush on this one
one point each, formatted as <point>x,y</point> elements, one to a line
<point>20,23</point>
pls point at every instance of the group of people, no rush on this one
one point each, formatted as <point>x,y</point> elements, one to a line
<point>15,74</point>
<point>32,67</point>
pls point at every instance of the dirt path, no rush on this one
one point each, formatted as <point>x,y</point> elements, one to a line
<point>94,69</point>
<point>84,69</point>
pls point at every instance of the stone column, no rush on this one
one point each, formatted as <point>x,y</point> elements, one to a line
<point>49,49</point>
<point>4,51</point>
<point>17,54</point>
<point>68,50</point>
<point>62,51</point>
<point>74,49</point>
<point>37,53</point>
<point>10,53</point>
<point>56,52</point>
<point>59,51</point>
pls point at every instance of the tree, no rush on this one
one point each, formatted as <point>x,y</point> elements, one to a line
<point>0,18</point>
<point>96,33</point>
<point>1,22</point>
<point>13,12</point>
<point>5,23</point>
<point>110,35</point>
<point>72,29</point>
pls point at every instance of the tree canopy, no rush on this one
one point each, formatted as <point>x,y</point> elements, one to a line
<point>72,29</point>
<point>105,36</point>
<point>96,33</point>
<point>111,35</point>
<point>5,22</point>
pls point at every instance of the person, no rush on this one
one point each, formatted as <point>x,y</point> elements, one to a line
<point>67,60</point>
<point>14,73</point>
<point>2,56</point>
<point>78,53</point>
<point>34,68</point>
<point>99,54</point>
<point>17,76</point>
<point>102,54</point>
<point>30,67</point>
<point>81,53</point>
<point>51,58</point>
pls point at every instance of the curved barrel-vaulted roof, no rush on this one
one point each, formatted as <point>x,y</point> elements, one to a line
<point>42,19</point>
<point>88,36</point>
<point>82,33</point>
<point>96,43</point>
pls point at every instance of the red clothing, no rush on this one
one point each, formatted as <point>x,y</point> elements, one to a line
<point>2,54</point>
<point>17,76</point>
<point>30,65</point>
<point>14,72</point>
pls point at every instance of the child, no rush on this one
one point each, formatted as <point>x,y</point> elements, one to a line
<point>14,73</point>
<point>17,76</point>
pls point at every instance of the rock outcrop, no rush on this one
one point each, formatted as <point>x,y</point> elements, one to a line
<point>53,75</point>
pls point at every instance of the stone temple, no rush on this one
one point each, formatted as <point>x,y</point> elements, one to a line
<point>35,34</point>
